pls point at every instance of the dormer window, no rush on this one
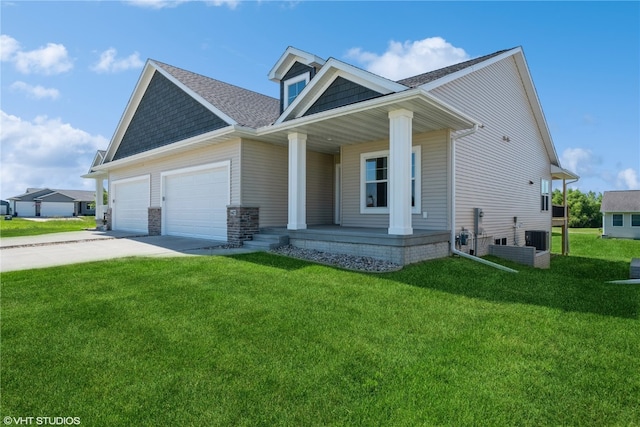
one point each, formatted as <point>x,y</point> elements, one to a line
<point>293,87</point>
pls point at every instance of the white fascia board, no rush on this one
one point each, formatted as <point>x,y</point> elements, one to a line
<point>160,151</point>
<point>326,76</point>
<point>468,70</point>
<point>536,107</point>
<point>288,58</point>
<point>194,95</point>
<point>369,104</point>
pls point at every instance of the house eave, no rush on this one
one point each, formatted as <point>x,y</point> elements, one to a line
<point>210,138</point>
<point>327,131</point>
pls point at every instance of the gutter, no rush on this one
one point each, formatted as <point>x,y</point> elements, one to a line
<point>452,239</point>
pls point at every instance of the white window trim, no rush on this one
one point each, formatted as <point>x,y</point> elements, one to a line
<point>545,191</point>
<point>417,208</point>
<point>306,77</point>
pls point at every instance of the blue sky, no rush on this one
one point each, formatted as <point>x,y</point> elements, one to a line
<point>69,68</point>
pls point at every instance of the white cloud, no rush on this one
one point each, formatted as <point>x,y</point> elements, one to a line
<point>108,63</point>
<point>410,58</point>
<point>628,179</point>
<point>8,47</point>
<point>156,4</point>
<point>164,4</point>
<point>37,92</point>
<point>50,59</point>
<point>44,153</point>
<point>580,161</point>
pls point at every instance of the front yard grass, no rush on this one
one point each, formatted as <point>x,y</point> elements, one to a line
<point>260,339</point>
<point>18,227</point>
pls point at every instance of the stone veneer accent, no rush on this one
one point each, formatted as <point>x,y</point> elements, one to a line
<point>242,223</point>
<point>155,221</point>
<point>108,216</point>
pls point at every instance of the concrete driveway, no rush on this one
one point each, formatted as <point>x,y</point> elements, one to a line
<point>24,253</point>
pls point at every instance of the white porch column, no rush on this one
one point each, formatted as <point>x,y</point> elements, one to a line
<point>99,197</point>
<point>399,170</point>
<point>297,181</point>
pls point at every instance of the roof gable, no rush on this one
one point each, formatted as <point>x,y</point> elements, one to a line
<point>32,194</point>
<point>621,201</point>
<point>367,84</point>
<point>290,56</point>
<point>220,105</point>
<point>165,114</point>
<point>440,73</point>
<point>235,105</point>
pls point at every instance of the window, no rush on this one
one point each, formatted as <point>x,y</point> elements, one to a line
<point>617,220</point>
<point>635,220</point>
<point>375,182</point>
<point>545,194</point>
<point>293,87</point>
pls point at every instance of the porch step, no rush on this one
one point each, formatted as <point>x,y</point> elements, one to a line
<point>267,240</point>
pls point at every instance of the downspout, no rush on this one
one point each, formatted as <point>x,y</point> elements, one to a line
<point>453,207</point>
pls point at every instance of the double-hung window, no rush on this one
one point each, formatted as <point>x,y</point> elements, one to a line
<point>374,179</point>
<point>293,87</point>
<point>545,194</point>
<point>635,220</point>
<point>618,220</point>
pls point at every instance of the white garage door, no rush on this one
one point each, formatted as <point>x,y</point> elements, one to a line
<point>195,202</point>
<point>26,208</point>
<point>130,207</point>
<point>56,209</point>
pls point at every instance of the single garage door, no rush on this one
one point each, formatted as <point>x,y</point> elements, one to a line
<point>195,202</point>
<point>56,209</point>
<point>130,207</point>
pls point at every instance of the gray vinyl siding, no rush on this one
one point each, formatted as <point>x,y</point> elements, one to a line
<point>491,173</point>
<point>265,181</point>
<point>434,182</point>
<point>265,184</point>
<point>320,188</point>
<point>212,154</point>
<point>627,231</point>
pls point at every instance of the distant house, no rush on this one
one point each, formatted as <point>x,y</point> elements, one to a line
<point>344,160</point>
<point>47,202</point>
<point>4,207</point>
<point>621,214</point>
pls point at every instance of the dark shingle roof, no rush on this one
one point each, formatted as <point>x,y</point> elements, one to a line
<point>430,76</point>
<point>246,107</point>
<point>38,193</point>
<point>621,201</point>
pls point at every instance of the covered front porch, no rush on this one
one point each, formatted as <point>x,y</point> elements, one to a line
<point>378,181</point>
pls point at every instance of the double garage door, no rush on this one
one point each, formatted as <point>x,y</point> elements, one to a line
<point>194,202</point>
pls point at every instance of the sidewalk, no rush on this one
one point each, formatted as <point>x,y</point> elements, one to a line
<point>24,253</point>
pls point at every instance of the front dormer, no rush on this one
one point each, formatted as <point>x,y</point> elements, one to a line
<point>293,71</point>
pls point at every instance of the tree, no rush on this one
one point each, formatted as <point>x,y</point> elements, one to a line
<point>584,208</point>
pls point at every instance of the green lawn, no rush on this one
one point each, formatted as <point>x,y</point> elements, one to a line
<point>259,339</point>
<point>586,242</point>
<point>17,226</point>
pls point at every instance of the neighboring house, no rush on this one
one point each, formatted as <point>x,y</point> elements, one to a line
<point>4,207</point>
<point>345,160</point>
<point>48,202</point>
<point>621,214</point>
